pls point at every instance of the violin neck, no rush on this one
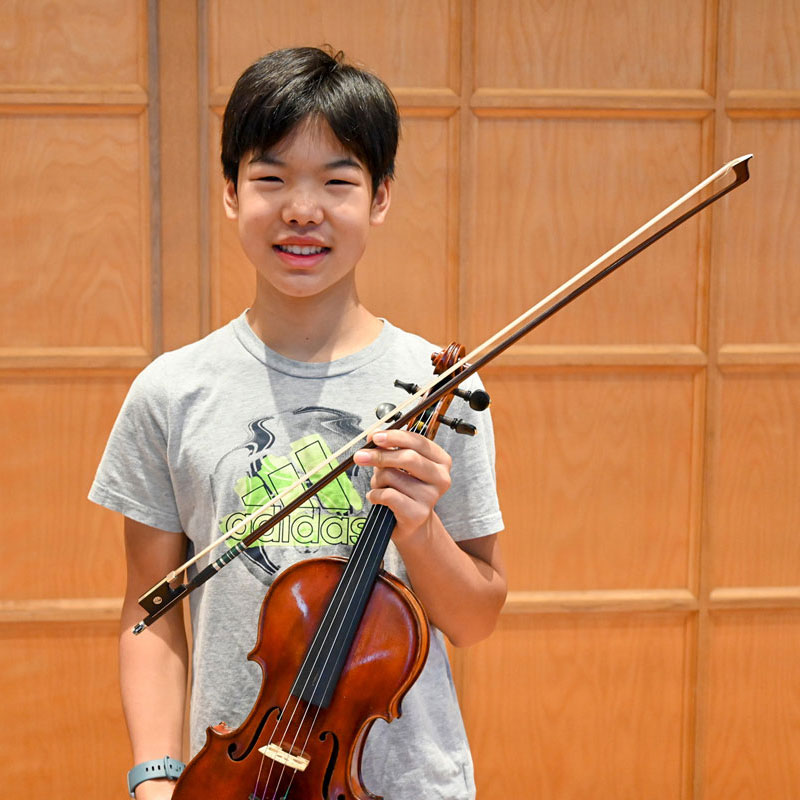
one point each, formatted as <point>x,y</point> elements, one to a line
<point>320,670</point>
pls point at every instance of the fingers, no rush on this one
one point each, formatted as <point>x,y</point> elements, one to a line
<point>413,454</point>
<point>411,474</point>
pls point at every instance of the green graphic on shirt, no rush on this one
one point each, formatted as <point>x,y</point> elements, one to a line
<point>324,519</point>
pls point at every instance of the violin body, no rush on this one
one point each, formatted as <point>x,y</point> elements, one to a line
<point>388,653</point>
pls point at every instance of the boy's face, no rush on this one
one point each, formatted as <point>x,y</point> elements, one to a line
<point>304,209</point>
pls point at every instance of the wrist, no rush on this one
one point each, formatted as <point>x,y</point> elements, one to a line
<point>161,769</point>
<point>414,541</point>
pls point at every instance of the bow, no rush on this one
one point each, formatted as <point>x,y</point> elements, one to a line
<point>163,596</point>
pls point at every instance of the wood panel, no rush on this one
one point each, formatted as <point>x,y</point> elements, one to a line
<point>409,43</point>
<point>78,270</point>
<point>65,44</point>
<point>537,231</point>
<point>62,701</point>
<point>580,707</point>
<point>760,262</point>
<point>74,215</point>
<point>755,505</point>
<point>59,546</point>
<point>597,474</point>
<point>753,707</point>
<point>409,273</point>
<point>183,243</point>
<point>620,44</point>
<point>763,49</point>
<point>232,278</point>
<point>647,437</point>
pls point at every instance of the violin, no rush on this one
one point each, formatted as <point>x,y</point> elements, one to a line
<point>340,641</point>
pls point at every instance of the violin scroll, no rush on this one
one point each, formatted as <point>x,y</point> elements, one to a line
<point>428,421</point>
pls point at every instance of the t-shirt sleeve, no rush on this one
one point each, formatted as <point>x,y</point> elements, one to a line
<point>134,476</point>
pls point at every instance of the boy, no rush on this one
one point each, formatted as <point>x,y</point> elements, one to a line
<point>209,431</point>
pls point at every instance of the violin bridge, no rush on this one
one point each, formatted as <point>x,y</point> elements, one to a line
<point>280,755</point>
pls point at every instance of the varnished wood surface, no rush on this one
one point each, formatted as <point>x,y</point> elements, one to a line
<point>68,45</point>
<point>647,438</point>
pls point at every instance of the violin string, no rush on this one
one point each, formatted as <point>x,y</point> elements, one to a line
<point>359,558</point>
<point>258,778</point>
<point>384,513</point>
<point>323,628</point>
<point>431,415</point>
<point>328,630</point>
<point>381,516</point>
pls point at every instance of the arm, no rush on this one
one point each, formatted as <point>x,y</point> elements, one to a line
<point>153,665</point>
<point>461,584</point>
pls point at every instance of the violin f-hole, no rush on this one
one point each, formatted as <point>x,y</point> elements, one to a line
<point>254,740</point>
<point>334,757</point>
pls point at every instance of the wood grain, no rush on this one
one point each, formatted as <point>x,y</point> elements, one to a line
<point>595,476</point>
<point>753,707</point>
<point>621,44</point>
<point>59,545</point>
<point>764,49</point>
<point>538,219</point>
<point>409,43</point>
<point>74,223</point>
<point>574,703</point>
<point>755,505</point>
<point>73,44</point>
<point>759,254</point>
<point>61,686</point>
<point>408,273</point>
<point>647,438</point>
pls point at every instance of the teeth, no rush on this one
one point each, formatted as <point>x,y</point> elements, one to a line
<point>300,250</point>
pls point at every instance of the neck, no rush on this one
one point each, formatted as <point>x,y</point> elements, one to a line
<point>312,329</point>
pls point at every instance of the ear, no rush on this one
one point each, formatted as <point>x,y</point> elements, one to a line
<point>230,199</point>
<point>381,202</point>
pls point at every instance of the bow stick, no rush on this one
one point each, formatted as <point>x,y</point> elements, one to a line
<point>163,596</point>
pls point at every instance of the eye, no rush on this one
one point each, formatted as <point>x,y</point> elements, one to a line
<point>269,179</point>
<point>340,182</point>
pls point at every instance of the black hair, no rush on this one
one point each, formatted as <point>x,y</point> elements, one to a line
<point>285,87</point>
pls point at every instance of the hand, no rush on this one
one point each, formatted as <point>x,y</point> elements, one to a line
<point>411,474</point>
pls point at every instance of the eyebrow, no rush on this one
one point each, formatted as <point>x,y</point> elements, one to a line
<point>343,162</point>
<point>339,163</point>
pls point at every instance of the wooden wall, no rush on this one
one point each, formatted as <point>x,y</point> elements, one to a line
<point>648,437</point>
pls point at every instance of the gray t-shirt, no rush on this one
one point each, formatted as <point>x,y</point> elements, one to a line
<point>208,433</point>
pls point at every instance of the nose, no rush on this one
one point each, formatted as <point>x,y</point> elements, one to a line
<point>302,207</point>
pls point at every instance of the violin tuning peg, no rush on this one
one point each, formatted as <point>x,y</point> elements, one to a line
<point>458,425</point>
<point>478,399</point>
<point>411,388</point>
<point>386,408</point>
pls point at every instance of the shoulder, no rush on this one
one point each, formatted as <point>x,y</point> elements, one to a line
<point>183,369</point>
<point>215,348</point>
<point>408,351</point>
<point>396,337</point>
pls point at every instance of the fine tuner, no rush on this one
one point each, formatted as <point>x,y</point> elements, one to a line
<point>478,401</point>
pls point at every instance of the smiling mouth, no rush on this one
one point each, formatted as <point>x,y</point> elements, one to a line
<point>301,250</point>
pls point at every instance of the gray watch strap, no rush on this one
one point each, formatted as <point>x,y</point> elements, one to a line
<point>157,768</point>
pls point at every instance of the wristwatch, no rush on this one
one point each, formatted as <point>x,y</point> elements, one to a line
<point>157,768</point>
